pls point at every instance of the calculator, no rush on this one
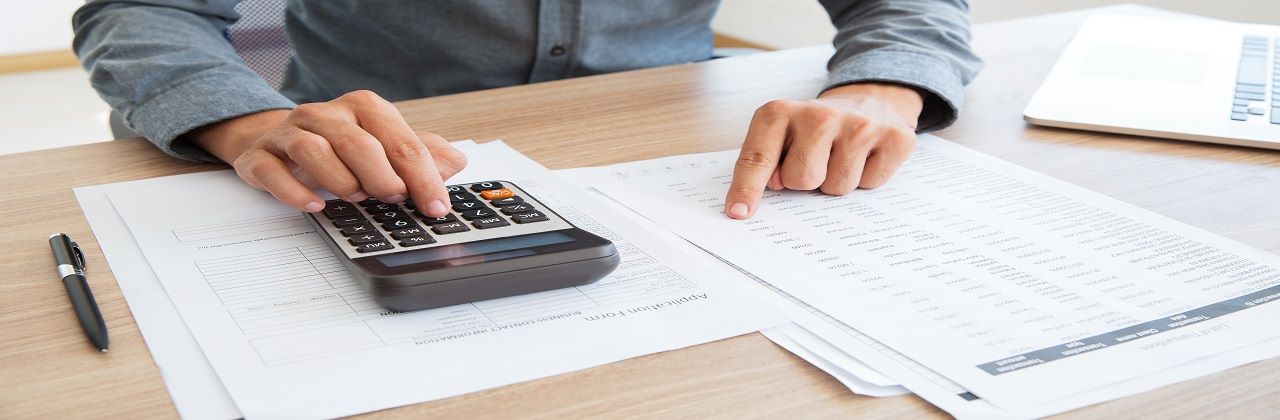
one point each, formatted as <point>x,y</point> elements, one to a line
<point>497,241</point>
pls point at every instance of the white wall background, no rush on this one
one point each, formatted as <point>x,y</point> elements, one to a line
<point>793,23</point>
<point>28,26</point>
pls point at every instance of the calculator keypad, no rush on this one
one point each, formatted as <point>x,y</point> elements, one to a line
<point>482,210</point>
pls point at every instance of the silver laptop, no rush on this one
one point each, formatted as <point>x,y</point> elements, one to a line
<point>1178,78</point>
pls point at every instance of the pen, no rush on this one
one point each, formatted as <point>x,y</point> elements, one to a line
<point>70,260</point>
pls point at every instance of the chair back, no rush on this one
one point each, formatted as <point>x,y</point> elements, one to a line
<point>259,38</point>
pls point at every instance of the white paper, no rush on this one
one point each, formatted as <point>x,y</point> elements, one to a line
<point>197,394</point>
<point>964,260</point>
<point>794,337</point>
<point>828,358</point>
<point>290,335</point>
<point>819,330</point>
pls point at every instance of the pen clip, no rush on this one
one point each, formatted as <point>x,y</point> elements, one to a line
<point>79,254</point>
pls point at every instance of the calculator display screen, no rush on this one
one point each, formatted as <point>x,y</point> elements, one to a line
<point>473,249</point>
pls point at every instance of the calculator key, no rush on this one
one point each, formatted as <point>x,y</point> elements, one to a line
<point>478,213</point>
<point>1251,96</point>
<point>451,227</point>
<point>389,215</point>
<point>365,227</point>
<point>517,208</point>
<point>365,238</point>
<point>416,240</point>
<point>485,186</point>
<point>455,189</point>
<point>369,202</point>
<point>529,217</point>
<point>461,196</point>
<point>381,207</point>
<point>515,199</point>
<point>409,231</point>
<point>467,205</point>
<point>490,222</point>
<point>339,208</point>
<point>348,220</point>
<point>495,194</point>
<point>1250,89</point>
<point>398,224</point>
<point>438,220</point>
<point>382,245</point>
<point>1252,70</point>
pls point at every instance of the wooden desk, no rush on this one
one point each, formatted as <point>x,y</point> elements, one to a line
<point>47,370</point>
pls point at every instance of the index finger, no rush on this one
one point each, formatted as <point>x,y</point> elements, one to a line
<point>756,163</point>
<point>409,156</point>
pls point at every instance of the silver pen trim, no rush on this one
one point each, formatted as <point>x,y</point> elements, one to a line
<point>65,270</point>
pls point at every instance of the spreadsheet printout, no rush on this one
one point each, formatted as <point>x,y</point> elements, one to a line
<point>289,333</point>
<point>1023,289</point>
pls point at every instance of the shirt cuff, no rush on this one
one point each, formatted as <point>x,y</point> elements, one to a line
<point>933,77</point>
<point>206,99</point>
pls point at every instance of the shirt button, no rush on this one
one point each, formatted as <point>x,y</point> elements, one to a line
<point>557,51</point>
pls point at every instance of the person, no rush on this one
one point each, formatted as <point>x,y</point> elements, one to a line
<point>167,68</point>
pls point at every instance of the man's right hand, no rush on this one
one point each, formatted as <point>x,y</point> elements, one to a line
<point>355,146</point>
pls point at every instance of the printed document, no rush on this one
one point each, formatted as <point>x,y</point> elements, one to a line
<point>1030,293</point>
<point>810,333</point>
<point>289,333</point>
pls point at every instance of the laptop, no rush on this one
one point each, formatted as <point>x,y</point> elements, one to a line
<point>1178,78</point>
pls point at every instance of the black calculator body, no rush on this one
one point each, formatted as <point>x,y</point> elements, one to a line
<point>497,241</point>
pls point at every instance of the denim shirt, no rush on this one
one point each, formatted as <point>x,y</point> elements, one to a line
<point>166,67</point>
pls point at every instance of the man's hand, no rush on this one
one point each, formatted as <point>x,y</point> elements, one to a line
<point>355,146</point>
<point>851,136</point>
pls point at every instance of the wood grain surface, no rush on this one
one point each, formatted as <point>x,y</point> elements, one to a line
<point>48,370</point>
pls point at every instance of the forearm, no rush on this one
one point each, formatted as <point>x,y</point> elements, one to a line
<point>228,139</point>
<point>923,44</point>
<point>166,68</point>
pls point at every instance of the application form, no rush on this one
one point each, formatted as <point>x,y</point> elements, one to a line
<point>289,334</point>
<point>1024,290</point>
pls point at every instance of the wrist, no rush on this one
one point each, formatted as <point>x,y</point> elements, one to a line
<point>228,139</point>
<point>904,102</point>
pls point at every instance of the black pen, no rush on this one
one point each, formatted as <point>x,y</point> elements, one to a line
<point>70,260</point>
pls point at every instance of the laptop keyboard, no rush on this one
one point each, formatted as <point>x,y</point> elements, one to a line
<point>1259,61</point>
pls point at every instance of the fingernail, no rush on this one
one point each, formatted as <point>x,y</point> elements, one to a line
<point>313,207</point>
<point>738,210</point>
<point>436,207</point>
<point>357,197</point>
<point>394,199</point>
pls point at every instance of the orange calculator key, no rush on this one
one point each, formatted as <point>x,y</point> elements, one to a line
<point>498,193</point>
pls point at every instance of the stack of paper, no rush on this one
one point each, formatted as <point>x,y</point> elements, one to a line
<point>248,313</point>
<point>987,289</point>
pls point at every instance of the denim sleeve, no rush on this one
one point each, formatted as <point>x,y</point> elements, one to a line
<point>919,43</point>
<point>166,67</point>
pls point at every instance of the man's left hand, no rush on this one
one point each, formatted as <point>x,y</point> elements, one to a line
<point>849,137</point>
